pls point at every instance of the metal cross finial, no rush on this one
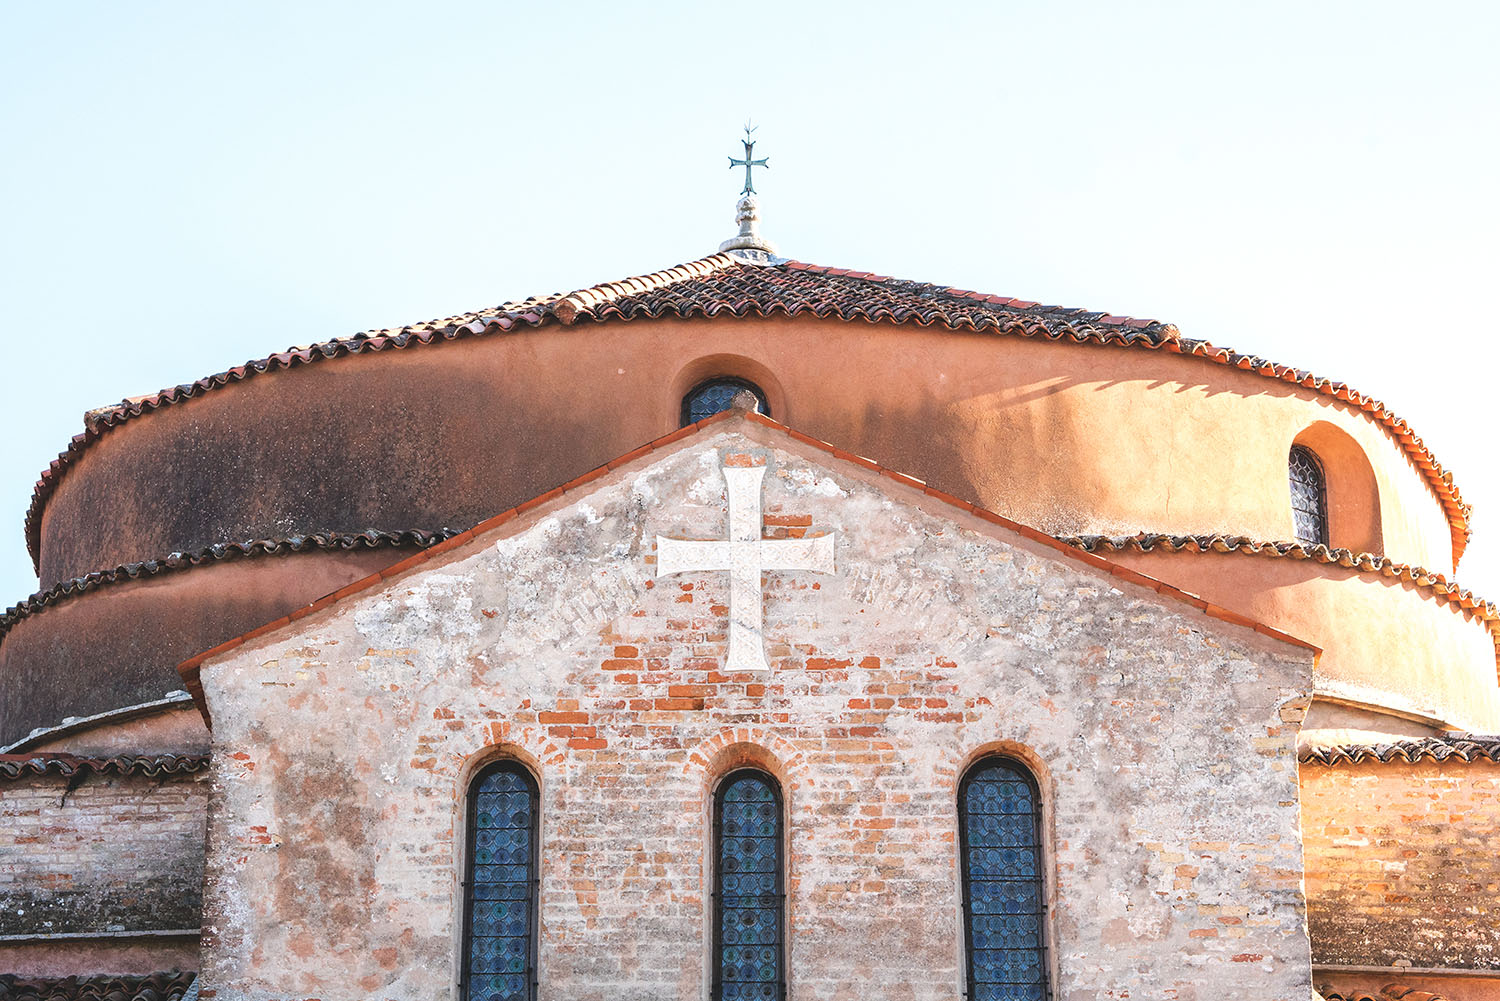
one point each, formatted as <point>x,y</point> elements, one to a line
<point>749,160</point>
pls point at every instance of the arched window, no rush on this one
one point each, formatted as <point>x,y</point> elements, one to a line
<point>1309,496</point>
<point>748,940</point>
<point>715,396</point>
<point>500,893</point>
<point>999,819</point>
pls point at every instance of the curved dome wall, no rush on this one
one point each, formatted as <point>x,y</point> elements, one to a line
<point>1385,641</point>
<point>1069,438</point>
<point>119,645</point>
<point>1072,438</point>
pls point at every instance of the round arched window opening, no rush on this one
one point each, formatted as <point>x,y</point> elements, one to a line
<point>716,396</point>
<point>1309,496</point>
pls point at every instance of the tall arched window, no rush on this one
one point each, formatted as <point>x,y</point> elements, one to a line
<point>1309,496</point>
<point>500,918</point>
<point>999,818</point>
<point>748,858</point>
<point>716,395</point>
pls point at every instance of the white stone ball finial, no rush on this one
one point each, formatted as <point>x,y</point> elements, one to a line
<point>747,214</point>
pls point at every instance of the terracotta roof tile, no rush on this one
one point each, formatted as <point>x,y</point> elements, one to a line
<point>1435,585</point>
<point>156,987</point>
<point>368,539</point>
<point>1460,746</point>
<point>1390,992</point>
<point>724,285</point>
<point>14,766</point>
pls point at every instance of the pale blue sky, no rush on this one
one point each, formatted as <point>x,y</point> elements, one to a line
<point>189,185</point>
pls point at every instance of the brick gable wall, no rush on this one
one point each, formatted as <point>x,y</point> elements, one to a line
<point>1164,742</point>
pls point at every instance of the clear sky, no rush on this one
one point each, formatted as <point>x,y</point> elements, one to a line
<point>189,185</point>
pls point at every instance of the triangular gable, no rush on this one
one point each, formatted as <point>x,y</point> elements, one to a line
<point>758,428</point>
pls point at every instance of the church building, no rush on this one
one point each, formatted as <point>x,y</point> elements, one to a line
<point>751,629</point>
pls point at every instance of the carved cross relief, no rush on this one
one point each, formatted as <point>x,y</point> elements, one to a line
<point>746,554</point>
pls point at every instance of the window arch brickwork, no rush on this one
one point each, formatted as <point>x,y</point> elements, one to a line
<point>749,862</point>
<point>999,809</point>
<point>500,914</point>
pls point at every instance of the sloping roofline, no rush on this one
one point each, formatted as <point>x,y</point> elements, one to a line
<point>919,303</point>
<point>190,668</point>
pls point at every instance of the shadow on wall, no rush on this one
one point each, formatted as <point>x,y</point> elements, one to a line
<point>921,439</point>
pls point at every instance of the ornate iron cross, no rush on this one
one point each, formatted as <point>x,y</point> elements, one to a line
<point>746,555</point>
<point>749,161</point>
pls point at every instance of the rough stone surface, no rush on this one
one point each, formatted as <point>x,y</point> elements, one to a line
<point>342,749</point>
<point>112,853</point>
<point>1402,865</point>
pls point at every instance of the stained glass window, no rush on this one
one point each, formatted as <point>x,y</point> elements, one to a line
<point>714,397</point>
<point>1000,832</point>
<point>500,930</point>
<point>747,889</point>
<point>1309,497</point>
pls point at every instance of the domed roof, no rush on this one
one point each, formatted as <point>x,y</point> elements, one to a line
<point>749,283</point>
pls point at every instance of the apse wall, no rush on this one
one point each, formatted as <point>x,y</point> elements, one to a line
<point>1068,438</point>
<point>1074,439</point>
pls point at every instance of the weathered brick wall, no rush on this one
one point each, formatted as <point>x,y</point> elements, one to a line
<point>1165,742</point>
<point>115,853</point>
<point>1403,863</point>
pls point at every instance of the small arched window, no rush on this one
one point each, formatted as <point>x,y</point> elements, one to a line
<point>748,857</point>
<point>716,396</point>
<point>1309,496</point>
<point>500,919</point>
<point>999,816</point>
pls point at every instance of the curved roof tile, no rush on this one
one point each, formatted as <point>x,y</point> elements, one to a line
<point>171,986</point>
<point>14,766</point>
<point>332,541</point>
<point>1461,746</point>
<point>1390,992</point>
<point>725,285</point>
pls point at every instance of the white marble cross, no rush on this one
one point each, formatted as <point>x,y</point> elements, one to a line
<point>746,555</point>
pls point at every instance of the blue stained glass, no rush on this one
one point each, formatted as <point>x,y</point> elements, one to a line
<point>1001,855</point>
<point>748,891</point>
<point>502,873</point>
<point>714,397</point>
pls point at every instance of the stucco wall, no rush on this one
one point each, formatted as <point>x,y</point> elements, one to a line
<point>1402,866</point>
<point>1068,438</point>
<point>119,645</point>
<point>1164,741</point>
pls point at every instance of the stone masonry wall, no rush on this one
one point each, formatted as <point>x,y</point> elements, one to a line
<point>1164,741</point>
<point>1403,863</point>
<point>115,853</point>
